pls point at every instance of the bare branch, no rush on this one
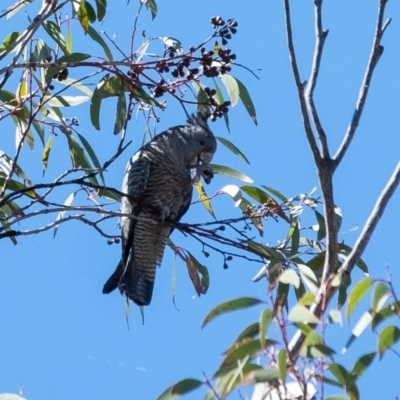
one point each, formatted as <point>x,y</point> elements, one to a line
<point>376,53</point>
<point>320,36</point>
<point>300,86</point>
<point>372,221</point>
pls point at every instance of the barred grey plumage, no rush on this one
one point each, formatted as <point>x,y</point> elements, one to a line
<point>159,184</point>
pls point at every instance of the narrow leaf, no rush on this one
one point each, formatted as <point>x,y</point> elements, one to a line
<point>203,197</point>
<point>151,4</point>
<point>246,99</point>
<point>92,156</point>
<point>265,320</point>
<point>61,214</point>
<point>228,306</point>
<point>55,33</point>
<point>282,363</point>
<point>290,277</point>
<point>101,9</point>
<point>363,364</point>
<point>388,337</point>
<point>232,87</point>
<point>302,314</point>
<point>94,35</point>
<point>120,115</point>
<point>229,145</point>
<point>230,172</point>
<point>357,294</point>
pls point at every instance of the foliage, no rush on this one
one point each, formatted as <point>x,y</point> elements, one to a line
<point>303,272</point>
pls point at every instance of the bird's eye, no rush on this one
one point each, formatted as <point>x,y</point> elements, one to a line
<point>202,142</point>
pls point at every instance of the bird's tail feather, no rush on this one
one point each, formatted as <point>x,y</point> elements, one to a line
<point>140,291</point>
<point>113,281</point>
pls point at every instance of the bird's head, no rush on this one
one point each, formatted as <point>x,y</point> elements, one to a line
<point>202,141</point>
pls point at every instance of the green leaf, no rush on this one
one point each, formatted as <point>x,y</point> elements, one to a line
<point>290,277</point>
<point>55,33</point>
<point>95,105</point>
<point>381,294</point>
<point>249,332</point>
<point>388,337</point>
<point>69,58</point>
<point>15,8</point>
<point>302,314</point>
<point>266,375</point>
<point>120,116</point>
<point>65,101</point>
<point>141,95</point>
<point>172,42</point>
<point>186,386</point>
<point>335,317</point>
<point>357,294</point>
<point>336,397</point>
<point>246,99</point>
<point>321,225</point>
<point>363,364</point>
<point>10,396</point>
<point>247,349</point>
<point>61,214</point>
<point>46,153</point>
<point>282,363</point>
<point>345,250</point>
<point>83,14</point>
<point>91,13</point>
<point>101,9</point>
<point>231,305</point>
<point>15,186</point>
<point>220,98</point>
<point>92,155</point>
<point>276,193</point>
<point>151,4</point>
<point>9,40</point>
<point>265,320</point>
<point>259,195</point>
<point>204,198</point>
<point>386,312</point>
<point>232,148</point>
<point>201,98</point>
<point>344,285</point>
<point>346,379</point>
<point>97,38</point>
<point>17,169</point>
<point>180,388</point>
<point>230,172</point>
<point>232,87</point>
<point>205,277</point>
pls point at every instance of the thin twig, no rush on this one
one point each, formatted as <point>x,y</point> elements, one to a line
<point>300,86</point>
<point>375,55</point>
<point>372,221</point>
<point>320,36</point>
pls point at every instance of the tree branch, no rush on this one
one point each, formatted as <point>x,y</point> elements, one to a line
<point>320,36</point>
<point>375,55</point>
<point>372,221</point>
<point>300,87</point>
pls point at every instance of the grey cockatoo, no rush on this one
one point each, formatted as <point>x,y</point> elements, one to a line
<point>159,186</point>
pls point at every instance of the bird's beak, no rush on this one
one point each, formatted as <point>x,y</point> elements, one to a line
<point>206,157</point>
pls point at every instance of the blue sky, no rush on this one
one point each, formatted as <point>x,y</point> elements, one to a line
<point>61,338</point>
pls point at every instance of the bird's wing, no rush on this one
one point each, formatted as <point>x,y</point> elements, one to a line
<point>134,184</point>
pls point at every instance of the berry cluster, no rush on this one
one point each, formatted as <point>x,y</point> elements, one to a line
<point>189,66</point>
<point>62,75</point>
